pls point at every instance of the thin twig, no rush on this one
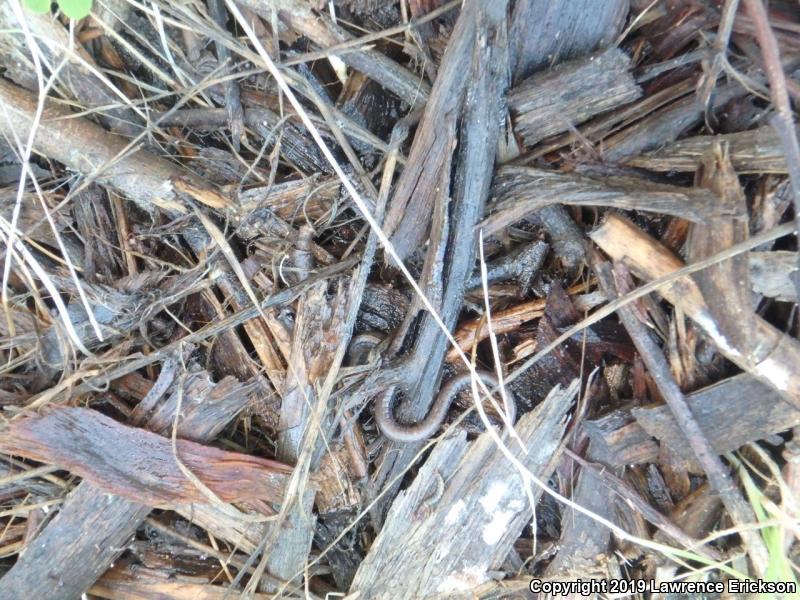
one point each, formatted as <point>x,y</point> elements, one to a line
<point>719,51</point>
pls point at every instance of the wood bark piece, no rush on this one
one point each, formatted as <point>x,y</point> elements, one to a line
<point>461,515</point>
<point>295,146</point>
<point>732,413</point>
<point>258,333</point>
<point>726,286</point>
<point>764,351</point>
<point>738,509</point>
<point>783,119</point>
<point>604,125</point>
<point>697,514</point>
<point>95,223</point>
<point>618,440</point>
<point>77,546</point>
<point>520,191</point>
<point>291,549</point>
<point>756,151</point>
<point>552,102</point>
<point>140,465</point>
<point>477,330</point>
<point>319,342</point>
<point>89,149</point>
<point>504,321</point>
<point>311,196</point>
<point>140,583</point>
<point>118,313</point>
<point>316,346</point>
<point>336,490</point>
<point>210,330</point>
<point>29,221</point>
<point>315,339</point>
<point>626,495</point>
<point>273,115</point>
<point>770,274</point>
<point>460,202</point>
<point>583,543</point>
<point>666,125</point>
<point>567,240</point>
<point>233,97</point>
<point>545,33</point>
<point>62,561</point>
<point>382,308</point>
<point>409,213</point>
<point>223,525</point>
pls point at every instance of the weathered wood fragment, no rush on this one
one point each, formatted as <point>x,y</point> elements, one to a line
<point>318,26</point>
<point>583,543</point>
<point>31,223</point>
<point>310,197</point>
<point>65,559</point>
<point>408,215</point>
<point>520,191</point>
<point>770,274</point>
<point>138,464</point>
<point>618,440</point>
<point>312,349</point>
<point>604,126</point>
<point>753,151</point>
<point>615,281</point>
<point>546,33</point>
<point>460,196</point>
<point>462,489</point>
<point>295,146</point>
<point>551,102</point>
<point>83,146</point>
<point>666,125</point>
<point>79,74</point>
<point>136,582</point>
<point>241,533</point>
<point>731,413</point>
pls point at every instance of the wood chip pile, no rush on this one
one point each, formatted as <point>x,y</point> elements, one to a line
<point>398,299</point>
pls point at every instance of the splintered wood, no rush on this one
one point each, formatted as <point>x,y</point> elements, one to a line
<point>221,379</point>
<point>141,465</point>
<point>474,486</point>
<point>551,102</point>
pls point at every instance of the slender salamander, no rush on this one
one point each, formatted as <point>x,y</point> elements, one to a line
<point>422,430</point>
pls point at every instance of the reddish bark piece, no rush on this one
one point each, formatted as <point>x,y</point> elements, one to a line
<point>140,465</point>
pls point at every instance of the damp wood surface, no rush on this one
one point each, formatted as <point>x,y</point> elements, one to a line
<point>417,298</point>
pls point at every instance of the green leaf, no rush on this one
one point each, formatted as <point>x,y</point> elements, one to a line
<point>75,9</point>
<point>37,6</point>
